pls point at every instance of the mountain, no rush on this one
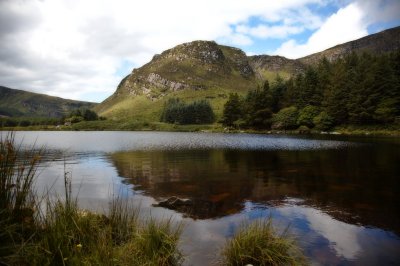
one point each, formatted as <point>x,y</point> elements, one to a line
<point>195,70</point>
<point>206,70</point>
<point>19,103</point>
<point>384,41</point>
<point>267,66</point>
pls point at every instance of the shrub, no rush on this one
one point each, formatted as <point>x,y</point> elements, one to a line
<point>286,118</point>
<point>323,121</point>
<point>306,116</point>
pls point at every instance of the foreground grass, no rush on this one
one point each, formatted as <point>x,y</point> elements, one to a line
<point>259,243</point>
<point>67,235</point>
<point>59,233</point>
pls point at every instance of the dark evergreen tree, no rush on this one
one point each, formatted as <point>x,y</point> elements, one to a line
<point>232,110</point>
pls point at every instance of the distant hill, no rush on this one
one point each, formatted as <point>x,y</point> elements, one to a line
<point>381,42</point>
<point>267,66</point>
<point>206,70</point>
<point>19,103</point>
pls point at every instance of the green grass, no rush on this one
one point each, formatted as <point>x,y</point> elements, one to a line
<point>259,243</point>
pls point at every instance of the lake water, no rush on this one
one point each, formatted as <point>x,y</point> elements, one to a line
<point>340,195</point>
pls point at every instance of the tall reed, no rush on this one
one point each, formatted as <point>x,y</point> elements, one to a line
<point>17,199</point>
<point>17,175</point>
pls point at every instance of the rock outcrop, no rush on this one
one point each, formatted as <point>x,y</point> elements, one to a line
<point>190,66</point>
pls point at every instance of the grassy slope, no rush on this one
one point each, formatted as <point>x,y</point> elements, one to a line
<point>219,83</point>
<point>18,103</point>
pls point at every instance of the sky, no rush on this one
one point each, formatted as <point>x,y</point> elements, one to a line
<point>82,49</point>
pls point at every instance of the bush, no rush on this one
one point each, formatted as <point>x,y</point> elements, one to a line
<point>286,118</point>
<point>323,121</point>
<point>306,116</point>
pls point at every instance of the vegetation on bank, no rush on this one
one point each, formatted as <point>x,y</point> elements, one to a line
<point>58,232</point>
<point>79,115</point>
<point>357,90</point>
<point>75,116</point>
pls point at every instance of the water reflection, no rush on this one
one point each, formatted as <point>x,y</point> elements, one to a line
<point>341,182</point>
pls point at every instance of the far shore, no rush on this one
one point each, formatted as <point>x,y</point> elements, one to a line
<point>392,131</point>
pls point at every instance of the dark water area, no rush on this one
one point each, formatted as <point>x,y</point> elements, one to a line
<point>339,195</point>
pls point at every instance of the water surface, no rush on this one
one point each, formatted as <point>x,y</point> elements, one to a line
<point>339,194</point>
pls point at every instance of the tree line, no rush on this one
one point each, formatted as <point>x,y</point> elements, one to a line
<point>197,112</point>
<point>74,116</point>
<point>357,89</point>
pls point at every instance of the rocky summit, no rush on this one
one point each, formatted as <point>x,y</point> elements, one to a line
<point>195,65</point>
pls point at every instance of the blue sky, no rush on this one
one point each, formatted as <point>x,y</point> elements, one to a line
<point>82,49</point>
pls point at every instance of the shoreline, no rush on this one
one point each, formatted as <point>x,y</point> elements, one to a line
<point>216,128</point>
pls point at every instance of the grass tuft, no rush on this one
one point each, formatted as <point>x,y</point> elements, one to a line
<point>259,243</point>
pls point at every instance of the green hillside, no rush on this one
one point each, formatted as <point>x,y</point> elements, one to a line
<point>19,103</point>
<point>190,71</point>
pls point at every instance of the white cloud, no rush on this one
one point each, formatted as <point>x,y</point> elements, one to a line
<point>348,23</point>
<point>343,26</point>
<point>344,237</point>
<point>264,31</point>
<point>74,48</point>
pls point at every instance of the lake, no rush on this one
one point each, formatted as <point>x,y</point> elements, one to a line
<point>339,195</point>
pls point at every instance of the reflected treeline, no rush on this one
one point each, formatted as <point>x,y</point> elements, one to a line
<point>356,184</point>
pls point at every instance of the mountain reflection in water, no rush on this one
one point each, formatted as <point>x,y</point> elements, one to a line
<point>218,182</point>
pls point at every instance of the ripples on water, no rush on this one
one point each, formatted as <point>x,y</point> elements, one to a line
<point>122,141</point>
